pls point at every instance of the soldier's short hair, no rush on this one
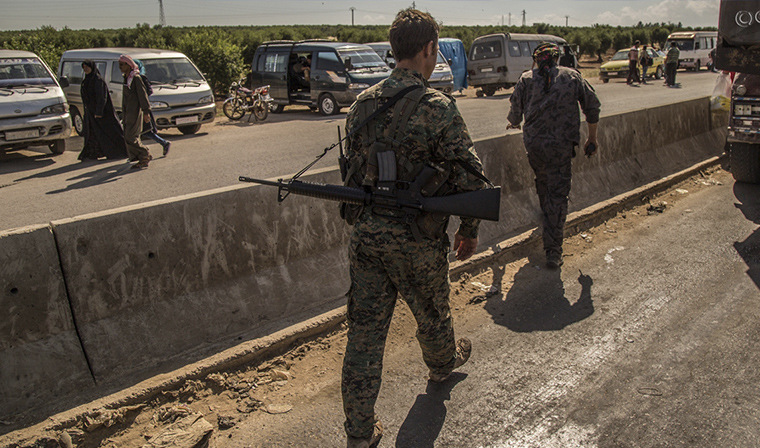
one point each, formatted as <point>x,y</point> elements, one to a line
<point>411,31</point>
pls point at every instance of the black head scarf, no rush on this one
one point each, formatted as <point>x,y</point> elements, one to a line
<point>545,56</point>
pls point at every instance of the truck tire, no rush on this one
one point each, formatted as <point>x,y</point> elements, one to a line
<point>745,162</point>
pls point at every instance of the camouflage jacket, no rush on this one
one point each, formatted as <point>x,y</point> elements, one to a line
<point>553,115</point>
<point>673,54</point>
<point>435,133</point>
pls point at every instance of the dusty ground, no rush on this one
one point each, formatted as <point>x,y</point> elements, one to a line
<point>222,400</point>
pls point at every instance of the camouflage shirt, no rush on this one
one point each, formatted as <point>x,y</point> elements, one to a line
<point>553,115</point>
<point>435,133</point>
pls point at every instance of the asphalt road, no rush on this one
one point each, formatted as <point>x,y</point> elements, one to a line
<point>647,337</point>
<point>36,187</point>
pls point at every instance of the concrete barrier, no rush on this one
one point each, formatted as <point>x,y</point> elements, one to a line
<point>160,285</point>
<point>40,353</point>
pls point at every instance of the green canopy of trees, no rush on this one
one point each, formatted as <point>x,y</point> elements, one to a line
<point>225,53</point>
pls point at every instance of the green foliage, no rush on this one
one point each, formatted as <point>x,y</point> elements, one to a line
<point>215,55</point>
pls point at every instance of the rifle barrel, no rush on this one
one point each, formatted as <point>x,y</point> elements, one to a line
<point>259,181</point>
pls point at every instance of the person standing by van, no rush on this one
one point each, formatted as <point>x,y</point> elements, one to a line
<point>671,64</point>
<point>103,135</point>
<point>646,62</point>
<point>548,98</point>
<point>135,109</point>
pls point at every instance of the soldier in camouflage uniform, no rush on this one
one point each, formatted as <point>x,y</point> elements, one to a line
<point>548,98</point>
<point>386,256</point>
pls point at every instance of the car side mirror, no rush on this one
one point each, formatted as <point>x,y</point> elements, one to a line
<point>392,64</point>
<point>450,62</point>
<point>64,82</point>
<point>347,64</point>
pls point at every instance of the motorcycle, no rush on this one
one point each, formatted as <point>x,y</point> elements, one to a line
<point>242,99</point>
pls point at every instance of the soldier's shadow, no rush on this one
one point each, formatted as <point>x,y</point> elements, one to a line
<point>536,300</point>
<point>425,419</point>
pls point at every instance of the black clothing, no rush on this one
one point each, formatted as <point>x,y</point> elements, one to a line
<point>103,136</point>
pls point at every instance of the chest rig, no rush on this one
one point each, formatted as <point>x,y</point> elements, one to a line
<point>383,165</point>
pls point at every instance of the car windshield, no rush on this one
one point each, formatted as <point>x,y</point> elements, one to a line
<point>362,59</point>
<point>620,55</point>
<point>171,71</point>
<point>21,72</point>
<point>684,44</point>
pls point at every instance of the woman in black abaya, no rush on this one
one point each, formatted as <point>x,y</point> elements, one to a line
<point>103,134</point>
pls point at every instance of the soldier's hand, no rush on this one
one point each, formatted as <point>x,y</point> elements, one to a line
<point>590,148</point>
<point>464,247</point>
<point>512,126</point>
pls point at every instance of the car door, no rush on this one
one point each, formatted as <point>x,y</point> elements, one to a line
<point>328,74</point>
<point>115,82</point>
<point>273,66</point>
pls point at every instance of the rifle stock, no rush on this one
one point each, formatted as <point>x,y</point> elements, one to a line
<point>479,204</point>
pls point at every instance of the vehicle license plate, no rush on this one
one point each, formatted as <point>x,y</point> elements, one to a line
<point>486,69</point>
<point>185,120</point>
<point>20,135</point>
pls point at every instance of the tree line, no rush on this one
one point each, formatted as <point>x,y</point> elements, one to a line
<point>225,53</point>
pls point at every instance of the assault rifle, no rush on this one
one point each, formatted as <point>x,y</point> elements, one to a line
<point>403,196</point>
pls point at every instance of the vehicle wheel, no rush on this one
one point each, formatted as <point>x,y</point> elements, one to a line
<point>260,110</point>
<point>276,108</point>
<point>698,66</point>
<point>189,129</point>
<point>745,162</point>
<point>479,93</point>
<point>327,105</point>
<point>606,80</point>
<point>233,108</point>
<point>57,146</point>
<point>77,121</point>
<point>490,91</point>
<point>658,73</point>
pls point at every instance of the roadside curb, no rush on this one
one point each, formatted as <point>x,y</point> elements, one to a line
<point>280,342</point>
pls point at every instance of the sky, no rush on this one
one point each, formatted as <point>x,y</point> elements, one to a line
<point>104,14</point>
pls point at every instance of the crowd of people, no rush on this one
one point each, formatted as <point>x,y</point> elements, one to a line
<point>106,136</point>
<point>643,57</point>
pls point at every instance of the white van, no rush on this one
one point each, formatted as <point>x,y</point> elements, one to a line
<point>497,61</point>
<point>181,96</point>
<point>33,109</point>
<point>695,47</point>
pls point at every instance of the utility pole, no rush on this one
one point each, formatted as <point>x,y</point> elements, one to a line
<point>523,13</point>
<point>510,19</point>
<point>352,15</point>
<point>161,17</point>
<point>566,19</point>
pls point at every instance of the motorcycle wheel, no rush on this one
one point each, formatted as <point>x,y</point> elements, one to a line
<point>260,110</point>
<point>233,108</point>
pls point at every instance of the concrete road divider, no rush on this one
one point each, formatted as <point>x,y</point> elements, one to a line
<point>164,284</point>
<point>41,357</point>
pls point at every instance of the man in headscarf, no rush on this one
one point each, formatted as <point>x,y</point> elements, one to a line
<point>135,109</point>
<point>548,98</point>
<point>103,135</point>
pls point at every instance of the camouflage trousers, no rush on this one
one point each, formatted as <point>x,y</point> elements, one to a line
<point>552,164</point>
<point>379,271</point>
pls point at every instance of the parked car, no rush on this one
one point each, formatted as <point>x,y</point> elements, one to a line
<point>496,61</point>
<point>617,67</point>
<point>181,96</point>
<point>442,78</point>
<point>33,108</point>
<point>339,71</point>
